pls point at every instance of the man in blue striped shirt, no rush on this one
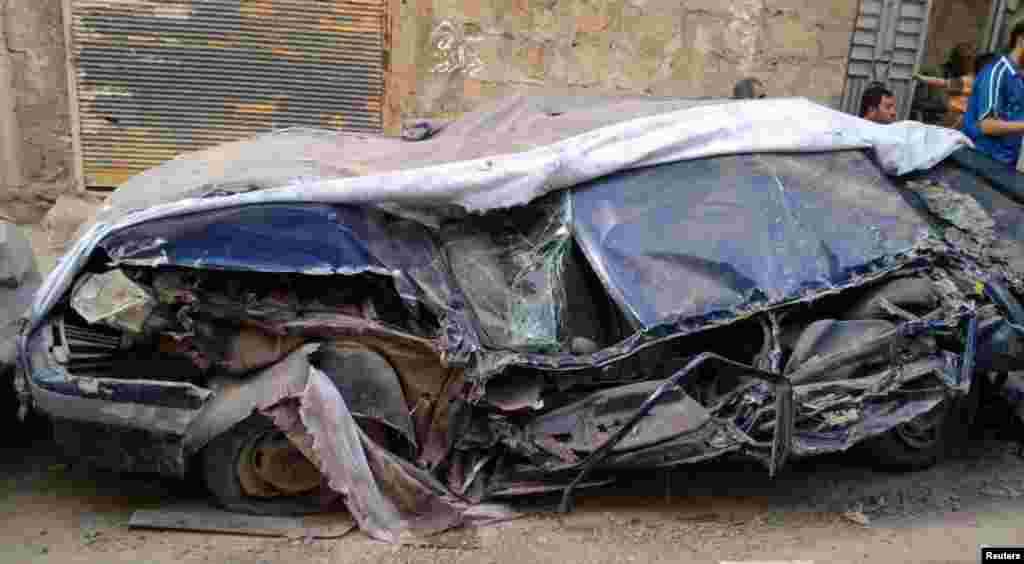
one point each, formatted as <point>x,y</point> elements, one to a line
<point>995,111</point>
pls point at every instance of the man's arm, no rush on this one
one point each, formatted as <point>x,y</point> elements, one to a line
<point>994,127</point>
<point>993,95</point>
<point>955,85</point>
<point>932,81</point>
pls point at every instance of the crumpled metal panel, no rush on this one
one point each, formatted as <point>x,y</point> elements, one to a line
<point>709,236</point>
<point>585,425</point>
<point>156,79</point>
<point>312,239</point>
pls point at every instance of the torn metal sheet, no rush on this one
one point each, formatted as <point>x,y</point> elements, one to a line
<point>390,498</point>
<point>340,456</point>
<point>584,426</point>
<point>234,400</point>
<point>371,386</point>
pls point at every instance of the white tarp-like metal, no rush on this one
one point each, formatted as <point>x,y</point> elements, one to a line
<point>515,151</point>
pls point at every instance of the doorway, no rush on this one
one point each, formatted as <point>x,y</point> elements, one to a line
<point>958,31</point>
<point>894,39</point>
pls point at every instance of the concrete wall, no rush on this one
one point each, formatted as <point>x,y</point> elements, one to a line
<point>34,37</point>
<point>451,54</point>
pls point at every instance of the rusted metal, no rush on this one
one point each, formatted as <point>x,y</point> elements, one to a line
<point>155,80</point>
<point>273,466</point>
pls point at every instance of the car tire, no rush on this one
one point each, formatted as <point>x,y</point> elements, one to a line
<point>908,447</point>
<point>219,468</point>
<point>904,449</point>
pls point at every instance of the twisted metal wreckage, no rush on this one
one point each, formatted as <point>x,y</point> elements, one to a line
<point>521,301</point>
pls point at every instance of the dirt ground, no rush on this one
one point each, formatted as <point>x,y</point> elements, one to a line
<point>833,509</point>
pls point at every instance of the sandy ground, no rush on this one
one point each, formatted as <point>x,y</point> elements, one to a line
<point>52,511</point>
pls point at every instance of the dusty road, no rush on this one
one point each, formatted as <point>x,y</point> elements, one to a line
<point>51,511</point>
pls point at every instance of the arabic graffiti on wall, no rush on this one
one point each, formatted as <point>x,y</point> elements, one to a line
<point>455,50</point>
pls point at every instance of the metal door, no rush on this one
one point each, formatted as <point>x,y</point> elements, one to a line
<point>154,79</point>
<point>887,45</point>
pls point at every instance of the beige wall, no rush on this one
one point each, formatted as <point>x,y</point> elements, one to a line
<point>35,50</point>
<point>451,54</point>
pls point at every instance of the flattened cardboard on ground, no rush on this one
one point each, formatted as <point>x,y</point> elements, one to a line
<point>202,517</point>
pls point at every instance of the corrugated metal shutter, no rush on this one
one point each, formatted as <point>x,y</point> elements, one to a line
<point>887,46</point>
<point>159,78</point>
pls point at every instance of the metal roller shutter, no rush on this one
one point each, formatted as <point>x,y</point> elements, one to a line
<point>157,78</point>
<point>888,43</point>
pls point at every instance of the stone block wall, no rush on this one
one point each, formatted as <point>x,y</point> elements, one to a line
<point>466,51</point>
<point>953,22</point>
<point>34,37</point>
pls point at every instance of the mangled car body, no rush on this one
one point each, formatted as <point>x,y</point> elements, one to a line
<point>532,298</point>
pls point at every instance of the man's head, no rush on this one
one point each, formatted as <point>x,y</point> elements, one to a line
<point>982,61</point>
<point>962,59</point>
<point>878,104</point>
<point>748,88</point>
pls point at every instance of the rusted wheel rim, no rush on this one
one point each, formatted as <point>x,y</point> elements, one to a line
<point>270,466</point>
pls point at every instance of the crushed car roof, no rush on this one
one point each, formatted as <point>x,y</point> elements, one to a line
<point>514,151</point>
<point>505,155</point>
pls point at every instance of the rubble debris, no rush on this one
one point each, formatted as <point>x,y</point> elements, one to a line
<point>857,517</point>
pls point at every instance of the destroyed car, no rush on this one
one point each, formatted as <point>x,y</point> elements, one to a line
<point>530,299</point>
